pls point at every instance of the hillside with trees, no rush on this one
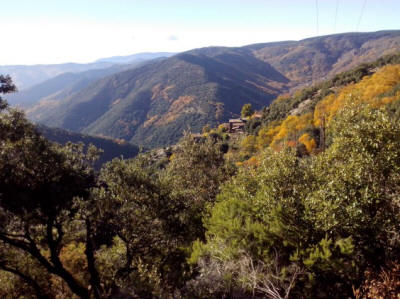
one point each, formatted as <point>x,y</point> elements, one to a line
<point>153,104</point>
<point>303,117</point>
<point>305,204</point>
<point>110,148</point>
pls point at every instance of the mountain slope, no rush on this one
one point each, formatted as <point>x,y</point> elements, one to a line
<point>152,104</point>
<point>318,58</point>
<point>302,120</point>
<point>187,89</point>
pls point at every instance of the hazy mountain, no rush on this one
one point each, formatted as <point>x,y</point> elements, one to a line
<point>140,57</point>
<point>152,104</point>
<point>63,85</point>
<point>25,76</point>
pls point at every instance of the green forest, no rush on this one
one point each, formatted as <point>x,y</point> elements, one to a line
<point>304,204</point>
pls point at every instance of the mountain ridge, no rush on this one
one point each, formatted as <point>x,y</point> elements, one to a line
<point>152,104</point>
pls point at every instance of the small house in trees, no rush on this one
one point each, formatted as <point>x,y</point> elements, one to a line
<point>257,115</point>
<point>237,125</point>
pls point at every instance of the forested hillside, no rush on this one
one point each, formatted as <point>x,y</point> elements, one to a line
<point>304,204</point>
<point>110,148</point>
<point>152,105</point>
<point>301,119</point>
<point>318,58</point>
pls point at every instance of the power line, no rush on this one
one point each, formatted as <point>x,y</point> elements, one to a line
<point>361,15</point>
<point>336,13</point>
<point>316,6</point>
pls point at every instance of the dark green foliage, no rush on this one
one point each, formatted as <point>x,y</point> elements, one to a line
<point>280,108</point>
<point>6,86</point>
<point>68,231</point>
<point>38,184</point>
<point>253,125</point>
<point>145,219</point>
<point>195,173</point>
<point>247,110</point>
<point>329,216</point>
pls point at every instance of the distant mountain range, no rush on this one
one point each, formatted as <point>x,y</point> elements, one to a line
<point>152,103</point>
<point>25,76</point>
<point>135,58</point>
<point>64,85</point>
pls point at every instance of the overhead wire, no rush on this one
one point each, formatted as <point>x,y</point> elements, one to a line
<point>361,15</point>
<point>317,10</point>
<point>336,14</point>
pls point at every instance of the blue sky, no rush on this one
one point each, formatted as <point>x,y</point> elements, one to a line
<point>55,31</point>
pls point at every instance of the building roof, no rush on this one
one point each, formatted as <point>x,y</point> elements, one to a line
<point>237,120</point>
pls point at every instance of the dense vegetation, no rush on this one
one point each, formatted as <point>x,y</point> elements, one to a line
<point>304,206</point>
<point>152,105</point>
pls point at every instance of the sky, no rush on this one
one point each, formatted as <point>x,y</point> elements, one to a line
<point>59,31</point>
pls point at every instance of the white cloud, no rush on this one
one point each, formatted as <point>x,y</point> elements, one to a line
<point>172,38</point>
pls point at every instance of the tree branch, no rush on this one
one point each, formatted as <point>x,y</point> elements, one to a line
<point>33,283</point>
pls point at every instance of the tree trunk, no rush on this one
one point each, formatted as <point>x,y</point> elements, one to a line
<point>89,251</point>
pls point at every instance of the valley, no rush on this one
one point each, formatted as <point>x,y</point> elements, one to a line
<point>153,102</point>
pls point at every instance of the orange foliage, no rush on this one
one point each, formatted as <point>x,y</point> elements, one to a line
<point>308,141</point>
<point>74,260</point>
<point>266,135</point>
<point>252,162</point>
<point>290,129</point>
<point>375,90</point>
<point>369,90</point>
<point>385,284</point>
<point>178,107</point>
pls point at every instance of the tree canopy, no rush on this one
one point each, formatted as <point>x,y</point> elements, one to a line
<point>307,206</point>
